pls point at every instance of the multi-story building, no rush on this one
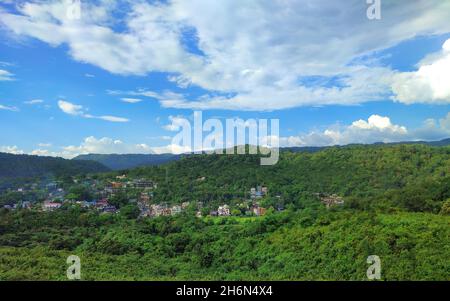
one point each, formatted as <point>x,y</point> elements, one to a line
<point>176,210</point>
<point>224,210</point>
<point>259,211</point>
<point>50,206</point>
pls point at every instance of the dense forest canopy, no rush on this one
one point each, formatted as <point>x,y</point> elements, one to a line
<point>397,206</point>
<point>413,177</point>
<point>127,161</point>
<point>25,166</point>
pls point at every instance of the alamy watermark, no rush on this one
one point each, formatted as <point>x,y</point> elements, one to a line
<point>230,139</point>
<point>374,10</point>
<point>374,270</point>
<point>73,10</point>
<point>74,270</point>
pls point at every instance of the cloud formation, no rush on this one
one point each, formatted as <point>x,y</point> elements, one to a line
<point>11,150</point>
<point>247,55</point>
<point>6,75</point>
<point>176,122</point>
<point>34,102</point>
<point>9,108</point>
<point>79,110</point>
<point>375,129</point>
<point>429,84</point>
<point>106,145</point>
<point>131,100</point>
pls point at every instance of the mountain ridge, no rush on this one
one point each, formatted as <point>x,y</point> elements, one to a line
<point>129,161</point>
<point>27,166</point>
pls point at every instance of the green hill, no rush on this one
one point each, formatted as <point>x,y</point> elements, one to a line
<point>397,206</point>
<point>25,166</point>
<point>414,177</point>
<point>121,162</point>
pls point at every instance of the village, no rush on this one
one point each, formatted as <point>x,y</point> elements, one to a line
<point>55,197</point>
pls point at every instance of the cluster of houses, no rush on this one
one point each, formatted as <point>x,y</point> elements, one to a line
<point>135,183</point>
<point>56,198</point>
<point>50,206</point>
<point>114,187</point>
<point>156,210</point>
<point>21,205</point>
<point>223,210</point>
<point>331,200</point>
<point>100,205</point>
<point>258,192</point>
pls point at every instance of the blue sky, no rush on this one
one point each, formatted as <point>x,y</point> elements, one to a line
<point>112,80</point>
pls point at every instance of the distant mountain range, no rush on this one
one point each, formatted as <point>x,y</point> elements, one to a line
<point>121,162</point>
<point>444,142</point>
<point>25,166</point>
<point>311,149</point>
<point>127,161</point>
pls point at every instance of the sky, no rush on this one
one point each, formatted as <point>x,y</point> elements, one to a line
<point>116,76</point>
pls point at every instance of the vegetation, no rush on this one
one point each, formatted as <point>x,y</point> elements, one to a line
<point>127,161</point>
<point>408,177</point>
<point>396,206</point>
<point>312,244</point>
<point>25,166</point>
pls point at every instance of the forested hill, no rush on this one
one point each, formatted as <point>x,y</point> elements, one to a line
<point>397,206</point>
<point>128,161</point>
<point>310,149</point>
<point>24,166</point>
<point>413,177</point>
<point>120,162</point>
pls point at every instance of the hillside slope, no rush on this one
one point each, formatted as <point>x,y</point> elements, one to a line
<point>121,162</point>
<point>24,166</point>
<point>415,177</point>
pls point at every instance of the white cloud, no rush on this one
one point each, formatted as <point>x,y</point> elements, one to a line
<point>6,75</point>
<point>113,118</point>
<point>434,129</point>
<point>45,153</point>
<point>252,55</point>
<point>176,122</point>
<point>92,145</point>
<point>11,150</point>
<point>89,75</point>
<point>105,145</point>
<point>44,144</point>
<point>171,149</point>
<point>34,102</point>
<point>131,100</point>
<point>9,108</point>
<point>379,123</point>
<point>375,129</point>
<point>78,110</point>
<point>429,84</point>
<point>70,108</point>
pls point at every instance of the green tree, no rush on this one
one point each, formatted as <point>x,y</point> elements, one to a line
<point>130,211</point>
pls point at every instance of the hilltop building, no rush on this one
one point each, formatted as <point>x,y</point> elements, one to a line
<point>50,206</point>
<point>332,200</point>
<point>223,210</point>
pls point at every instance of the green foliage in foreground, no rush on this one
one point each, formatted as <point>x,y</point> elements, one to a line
<point>312,244</point>
<point>396,206</point>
